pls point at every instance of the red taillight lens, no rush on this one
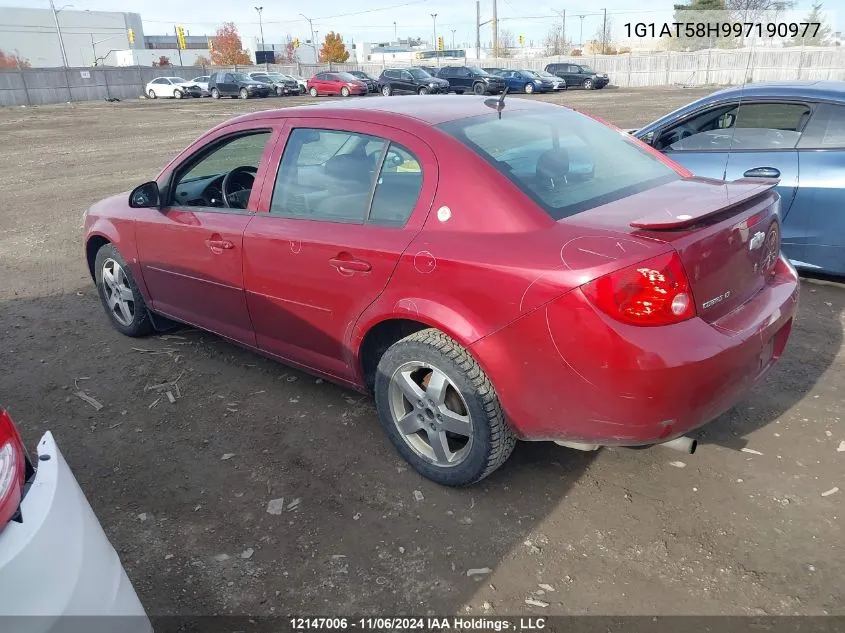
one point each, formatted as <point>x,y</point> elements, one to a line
<point>653,292</point>
<point>11,469</point>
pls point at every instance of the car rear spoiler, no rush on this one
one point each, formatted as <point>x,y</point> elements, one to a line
<point>730,194</point>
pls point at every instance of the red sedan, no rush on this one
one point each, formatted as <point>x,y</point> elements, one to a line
<point>489,274</point>
<point>342,84</point>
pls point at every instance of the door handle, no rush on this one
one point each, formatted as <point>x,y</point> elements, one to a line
<point>217,245</point>
<point>762,172</point>
<point>345,263</point>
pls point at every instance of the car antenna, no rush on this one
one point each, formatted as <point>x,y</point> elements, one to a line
<point>497,104</point>
<point>738,107</point>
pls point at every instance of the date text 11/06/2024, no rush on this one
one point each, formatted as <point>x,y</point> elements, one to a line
<point>454,623</point>
<point>722,29</point>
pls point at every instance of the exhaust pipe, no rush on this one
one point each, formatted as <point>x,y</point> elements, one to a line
<point>683,444</point>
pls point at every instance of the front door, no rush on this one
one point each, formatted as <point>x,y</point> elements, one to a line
<point>348,199</point>
<point>730,141</point>
<point>191,251</point>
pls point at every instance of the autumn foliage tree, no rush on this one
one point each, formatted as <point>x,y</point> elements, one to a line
<point>333,49</point>
<point>8,60</point>
<point>228,48</point>
<point>203,61</point>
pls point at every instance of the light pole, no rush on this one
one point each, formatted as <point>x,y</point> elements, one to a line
<point>434,33</point>
<point>395,32</point>
<point>562,15</point>
<point>261,28</point>
<point>453,37</point>
<point>313,35</point>
<point>94,46</point>
<point>59,29</point>
<point>581,36</point>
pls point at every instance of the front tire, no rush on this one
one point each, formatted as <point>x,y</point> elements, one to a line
<point>479,89</point>
<point>440,410</point>
<point>243,94</point>
<point>588,84</point>
<point>151,94</point>
<point>344,92</point>
<point>215,93</point>
<point>279,91</point>
<point>177,94</point>
<point>386,90</point>
<point>529,88</point>
<point>313,92</point>
<point>119,294</point>
<point>423,90</point>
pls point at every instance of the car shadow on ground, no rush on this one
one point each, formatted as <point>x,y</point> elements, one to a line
<point>813,347</point>
<point>189,491</point>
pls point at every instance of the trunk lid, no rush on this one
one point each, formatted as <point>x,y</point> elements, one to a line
<point>726,233</point>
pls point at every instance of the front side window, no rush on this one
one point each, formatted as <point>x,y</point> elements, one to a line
<point>224,176</point>
<point>735,126</point>
<point>563,161</point>
<point>334,176</point>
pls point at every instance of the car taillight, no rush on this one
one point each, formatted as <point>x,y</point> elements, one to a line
<point>12,468</point>
<point>653,292</point>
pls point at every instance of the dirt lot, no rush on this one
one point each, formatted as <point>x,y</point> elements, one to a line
<point>182,489</point>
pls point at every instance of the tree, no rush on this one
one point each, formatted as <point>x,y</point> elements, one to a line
<point>749,10</point>
<point>603,44</point>
<point>716,15</point>
<point>202,60</point>
<point>506,43</point>
<point>288,56</point>
<point>333,49</point>
<point>813,37</point>
<point>164,60</point>
<point>228,48</point>
<point>8,60</point>
<point>554,43</point>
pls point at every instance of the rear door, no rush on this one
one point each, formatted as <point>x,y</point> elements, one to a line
<point>819,205</point>
<point>348,199</point>
<point>755,139</point>
<point>230,86</point>
<point>407,82</point>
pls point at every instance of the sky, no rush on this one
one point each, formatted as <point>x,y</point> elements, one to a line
<point>373,20</point>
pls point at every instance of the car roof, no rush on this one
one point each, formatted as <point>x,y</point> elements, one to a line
<point>425,109</point>
<point>833,90</point>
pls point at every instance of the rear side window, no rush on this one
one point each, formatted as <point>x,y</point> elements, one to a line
<point>826,130</point>
<point>397,189</point>
<point>564,161</point>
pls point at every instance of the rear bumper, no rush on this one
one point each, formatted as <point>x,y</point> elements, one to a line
<point>58,562</point>
<point>583,377</point>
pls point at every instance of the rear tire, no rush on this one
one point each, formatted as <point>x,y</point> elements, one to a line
<point>215,93</point>
<point>466,402</point>
<point>386,90</point>
<point>313,92</point>
<point>243,93</point>
<point>423,90</point>
<point>479,89</point>
<point>119,294</point>
<point>151,94</point>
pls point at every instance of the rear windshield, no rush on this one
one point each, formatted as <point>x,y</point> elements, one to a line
<point>565,161</point>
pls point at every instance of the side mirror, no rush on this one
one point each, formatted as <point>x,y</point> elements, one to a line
<point>145,196</point>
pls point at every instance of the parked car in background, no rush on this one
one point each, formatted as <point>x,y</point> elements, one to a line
<point>531,305</point>
<point>226,83</point>
<point>174,87</point>
<point>303,83</point>
<point>280,84</point>
<point>202,83</point>
<point>579,75</point>
<point>56,563</point>
<point>792,133</point>
<point>557,82</point>
<point>339,83</point>
<point>521,80</point>
<point>372,82</point>
<point>410,81</point>
<point>471,79</point>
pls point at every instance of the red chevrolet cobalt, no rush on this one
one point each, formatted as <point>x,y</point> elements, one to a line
<point>489,270</point>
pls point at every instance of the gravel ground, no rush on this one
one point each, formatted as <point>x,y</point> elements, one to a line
<point>183,490</point>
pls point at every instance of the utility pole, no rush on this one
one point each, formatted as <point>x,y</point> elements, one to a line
<point>59,33</point>
<point>313,36</point>
<point>478,30</point>
<point>261,27</point>
<point>581,35</point>
<point>395,32</point>
<point>434,34</point>
<point>604,34</point>
<point>495,32</point>
<point>453,37</point>
<point>562,15</point>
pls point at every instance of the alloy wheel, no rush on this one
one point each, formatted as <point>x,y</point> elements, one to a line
<point>119,296</point>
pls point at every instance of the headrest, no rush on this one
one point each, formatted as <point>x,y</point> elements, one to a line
<point>349,167</point>
<point>553,164</point>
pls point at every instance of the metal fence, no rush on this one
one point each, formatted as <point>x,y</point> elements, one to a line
<point>709,67</point>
